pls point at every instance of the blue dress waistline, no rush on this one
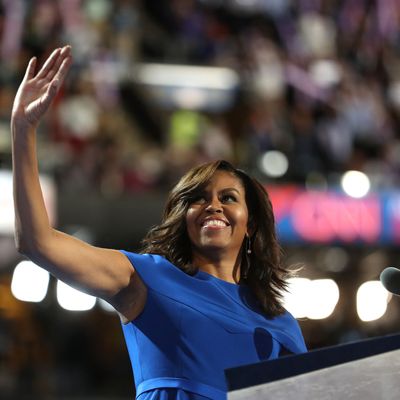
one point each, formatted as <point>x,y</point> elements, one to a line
<point>180,383</point>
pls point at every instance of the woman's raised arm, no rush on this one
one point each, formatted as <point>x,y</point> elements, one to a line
<point>101,272</point>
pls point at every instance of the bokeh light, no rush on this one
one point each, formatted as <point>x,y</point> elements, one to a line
<point>372,300</point>
<point>355,184</point>
<point>29,282</point>
<point>72,299</point>
<point>274,163</point>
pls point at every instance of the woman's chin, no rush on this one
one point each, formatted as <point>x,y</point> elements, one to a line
<point>214,247</point>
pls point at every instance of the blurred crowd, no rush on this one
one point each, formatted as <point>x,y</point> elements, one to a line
<point>319,82</point>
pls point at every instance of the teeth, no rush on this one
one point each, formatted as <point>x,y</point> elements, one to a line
<point>214,222</point>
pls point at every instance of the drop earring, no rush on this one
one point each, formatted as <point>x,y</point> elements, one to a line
<point>248,244</point>
<point>246,267</point>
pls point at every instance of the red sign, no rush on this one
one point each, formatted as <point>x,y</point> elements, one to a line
<point>326,216</point>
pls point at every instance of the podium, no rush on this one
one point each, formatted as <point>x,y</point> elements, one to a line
<point>368,369</point>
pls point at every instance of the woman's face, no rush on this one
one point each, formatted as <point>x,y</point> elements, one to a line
<point>217,219</point>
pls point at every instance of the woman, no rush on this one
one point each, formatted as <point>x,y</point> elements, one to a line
<point>204,295</point>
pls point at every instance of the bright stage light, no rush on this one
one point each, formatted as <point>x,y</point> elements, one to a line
<point>355,184</point>
<point>323,297</point>
<point>29,282</point>
<point>187,76</point>
<point>296,299</point>
<point>372,299</point>
<point>313,299</point>
<point>72,299</point>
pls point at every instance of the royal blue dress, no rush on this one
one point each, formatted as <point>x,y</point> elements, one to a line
<point>194,327</point>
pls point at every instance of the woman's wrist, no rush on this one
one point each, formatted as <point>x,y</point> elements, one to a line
<point>20,128</point>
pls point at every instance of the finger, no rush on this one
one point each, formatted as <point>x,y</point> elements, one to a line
<point>62,71</point>
<point>48,64</point>
<point>30,69</point>
<point>65,52</point>
<point>47,98</point>
<point>58,79</point>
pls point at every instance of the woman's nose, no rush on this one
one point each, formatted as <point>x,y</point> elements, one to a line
<point>214,206</point>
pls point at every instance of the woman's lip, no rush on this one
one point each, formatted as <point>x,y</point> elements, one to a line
<point>214,227</point>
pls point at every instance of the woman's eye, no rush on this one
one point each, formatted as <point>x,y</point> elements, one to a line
<point>198,199</point>
<point>227,198</point>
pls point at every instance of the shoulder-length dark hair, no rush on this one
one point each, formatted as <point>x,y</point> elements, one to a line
<point>261,270</point>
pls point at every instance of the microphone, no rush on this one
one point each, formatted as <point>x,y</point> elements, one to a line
<point>390,279</point>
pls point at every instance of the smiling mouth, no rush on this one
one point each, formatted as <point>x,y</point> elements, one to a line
<point>214,223</point>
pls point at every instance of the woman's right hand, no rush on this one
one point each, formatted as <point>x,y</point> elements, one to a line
<point>37,91</point>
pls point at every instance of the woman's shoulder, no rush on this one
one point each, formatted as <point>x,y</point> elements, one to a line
<point>143,258</point>
<point>154,269</point>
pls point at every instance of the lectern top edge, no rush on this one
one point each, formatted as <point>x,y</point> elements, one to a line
<point>292,365</point>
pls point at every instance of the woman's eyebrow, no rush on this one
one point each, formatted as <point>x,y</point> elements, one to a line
<point>230,190</point>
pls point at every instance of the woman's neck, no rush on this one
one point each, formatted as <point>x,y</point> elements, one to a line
<point>220,267</point>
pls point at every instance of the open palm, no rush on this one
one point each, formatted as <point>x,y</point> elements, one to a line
<point>36,92</point>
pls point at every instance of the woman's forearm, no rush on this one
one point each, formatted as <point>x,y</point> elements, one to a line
<point>32,227</point>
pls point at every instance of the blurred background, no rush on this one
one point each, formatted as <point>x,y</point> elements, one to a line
<point>304,95</point>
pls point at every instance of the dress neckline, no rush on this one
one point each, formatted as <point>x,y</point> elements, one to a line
<point>209,277</point>
<point>240,293</point>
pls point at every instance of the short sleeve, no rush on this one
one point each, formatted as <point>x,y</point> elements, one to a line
<point>156,272</point>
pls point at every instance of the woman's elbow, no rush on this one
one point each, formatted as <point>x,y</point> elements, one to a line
<point>20,245</point>
<point>23,246</point>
